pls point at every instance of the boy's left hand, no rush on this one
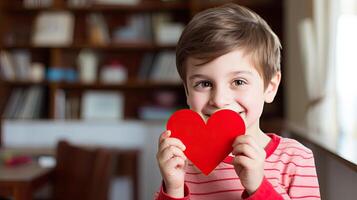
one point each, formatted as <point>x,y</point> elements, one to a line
<point>248,162</point>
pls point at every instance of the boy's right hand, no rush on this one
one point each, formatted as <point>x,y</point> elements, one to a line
<point>171,160</point>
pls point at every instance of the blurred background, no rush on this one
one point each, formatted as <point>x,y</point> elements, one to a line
<point>101,75</point>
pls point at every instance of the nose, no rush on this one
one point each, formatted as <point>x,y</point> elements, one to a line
<point>221,98</point>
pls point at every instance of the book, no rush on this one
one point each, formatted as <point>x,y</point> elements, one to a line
<point>53,29</point>
<point>116,2</point>
<point>7,68</point>
<point>107,105</point>
<point>164,68</point>
<point>138,29</point>
<point>25,103</point>
<point>22,64</point>
<point>37,3</point>
<point>60,104</point>
<point>97,29</point>
<point>72,107</point>
<point>16,65</point>
<point>166,32</point>
<point>12,104</point>
<point>87,62</point>
<point>155,112</point>
<point>31,103</point>
<point>146,66</point>
<point>79,3</point>
<point>39,104</point>
<point>75,106</point>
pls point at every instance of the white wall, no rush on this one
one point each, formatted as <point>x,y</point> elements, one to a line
<point>295,93</point>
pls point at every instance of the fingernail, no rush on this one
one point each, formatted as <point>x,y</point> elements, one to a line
<point>168,132</point>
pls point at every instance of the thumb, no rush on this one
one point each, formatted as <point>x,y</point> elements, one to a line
<point>164,135</point>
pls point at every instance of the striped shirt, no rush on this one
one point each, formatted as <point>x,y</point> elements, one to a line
<point>289,171</point>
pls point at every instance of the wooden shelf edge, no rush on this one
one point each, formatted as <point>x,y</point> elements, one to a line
<point>116,47</point>
<point>17,83</point>
<point>141,7</point>
<point>127,85</point>
<point>132,84</point>
<point>321,143</point>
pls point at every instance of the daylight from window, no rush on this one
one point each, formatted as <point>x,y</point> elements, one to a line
<point>346,73</point>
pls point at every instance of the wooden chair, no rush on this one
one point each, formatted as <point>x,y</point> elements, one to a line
<point>82,173</point>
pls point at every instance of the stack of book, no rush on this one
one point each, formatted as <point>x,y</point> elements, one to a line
<point>53,29</point>
<point>17,65</point>
<point>25,103</point>
<point>37,3</point>
<point>159,68</point>
<point>93,105</point>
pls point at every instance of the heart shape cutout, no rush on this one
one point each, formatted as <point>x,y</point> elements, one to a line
<point>206,144</point>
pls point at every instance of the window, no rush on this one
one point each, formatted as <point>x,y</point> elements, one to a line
<point>346,68</point>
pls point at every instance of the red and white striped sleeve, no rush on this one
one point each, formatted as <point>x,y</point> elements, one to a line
<point>300,177</point>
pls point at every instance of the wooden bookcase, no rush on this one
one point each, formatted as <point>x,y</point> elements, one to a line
<point>17,25</point>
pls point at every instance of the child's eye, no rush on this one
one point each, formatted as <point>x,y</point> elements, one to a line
<point>203,84</point>
<point>239,82</point>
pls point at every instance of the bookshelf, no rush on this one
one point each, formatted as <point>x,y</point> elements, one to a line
<point>17,27</point>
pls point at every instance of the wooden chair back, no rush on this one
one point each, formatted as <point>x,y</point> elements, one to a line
<point>82,174</point>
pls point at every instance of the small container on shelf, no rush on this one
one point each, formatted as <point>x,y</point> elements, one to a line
<point>113,73</point>
<point>87,62</point>
<point>58,74</point>
<point>37,72</point>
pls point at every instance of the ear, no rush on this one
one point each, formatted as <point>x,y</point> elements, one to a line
<point>272,88</point>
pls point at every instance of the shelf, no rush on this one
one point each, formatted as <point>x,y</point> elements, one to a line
<point>342,148</point>
<point>269,6</point>
<point>246,3</point>
<point>113,47</point>
<point>159,6</point>
<point>130,85</point>
<point>141,7</point>
<point>17,30</point>
<point>22,83</point>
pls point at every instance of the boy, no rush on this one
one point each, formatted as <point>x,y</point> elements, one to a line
<point>229,58</point>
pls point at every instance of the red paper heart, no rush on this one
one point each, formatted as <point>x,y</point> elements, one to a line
<point>206,145</point>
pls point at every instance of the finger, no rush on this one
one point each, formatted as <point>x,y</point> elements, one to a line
<point>243,161</point>
<point>170,152</point>
<point>246,150</point>
<point>237,167</point>
<point>171,142</point>
<point>163,136</point>
<point>242,139</point>
<point>176,162</point>
<point>247,139</point>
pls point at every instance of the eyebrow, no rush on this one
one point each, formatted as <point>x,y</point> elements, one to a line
<point>241,72</point>
<point>197,76</point>
<point>231,73</point>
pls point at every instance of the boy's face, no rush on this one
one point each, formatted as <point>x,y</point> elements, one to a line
<point>229,82</point>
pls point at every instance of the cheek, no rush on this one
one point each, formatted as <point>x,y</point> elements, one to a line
<point>196,101</point>
<point>253,105</point>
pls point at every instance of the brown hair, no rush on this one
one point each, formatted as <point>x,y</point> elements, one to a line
<point>217,31</point>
